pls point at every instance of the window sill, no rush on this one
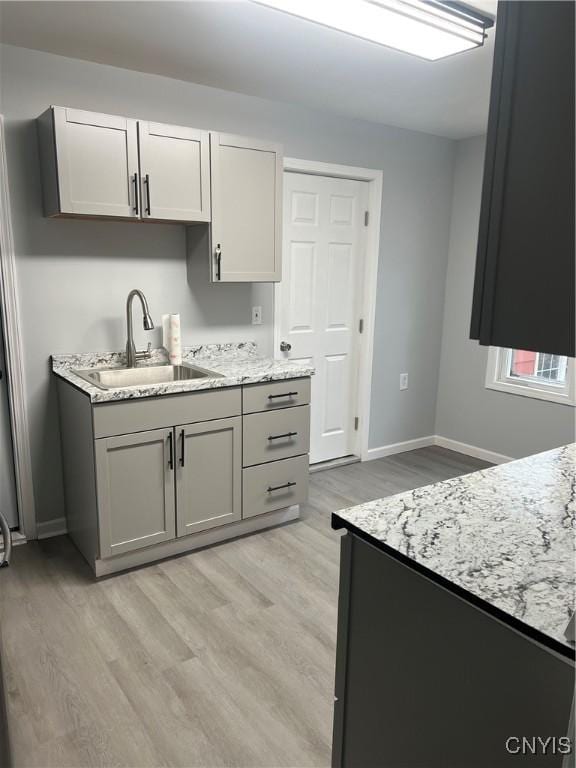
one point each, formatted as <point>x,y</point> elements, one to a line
<point>533,392</point>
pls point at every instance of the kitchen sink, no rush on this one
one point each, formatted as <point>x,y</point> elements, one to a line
<point>113,378</point>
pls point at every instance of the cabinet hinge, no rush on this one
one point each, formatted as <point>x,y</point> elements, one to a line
<point>361,325</point>
<point>356,423</point>
<point>366,218</point>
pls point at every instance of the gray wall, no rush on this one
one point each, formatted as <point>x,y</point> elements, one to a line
<point>512,425</point>
<point>74,275</point>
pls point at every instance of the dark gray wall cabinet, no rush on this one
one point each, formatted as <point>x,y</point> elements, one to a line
<point>525,270</point>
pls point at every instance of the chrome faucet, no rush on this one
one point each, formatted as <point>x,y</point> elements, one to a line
<point>131,355</point>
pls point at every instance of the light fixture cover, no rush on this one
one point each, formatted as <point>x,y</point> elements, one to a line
<point>430,29</point>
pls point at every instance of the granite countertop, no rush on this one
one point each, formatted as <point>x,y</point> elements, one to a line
<point>504,536</point>
<point>237,363</point>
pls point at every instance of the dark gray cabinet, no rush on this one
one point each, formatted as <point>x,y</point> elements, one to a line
<point>425,679</point>
<point>525,270</point>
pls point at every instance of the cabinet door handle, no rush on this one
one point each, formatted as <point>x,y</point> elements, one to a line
<point>171,450</point>
<point>280,487</point>
<point>147,183</point>
<point>183,438</point>
<point>136,201</point>
<point>284,394</point>
<point>279,437</point>
<point>218,255</point>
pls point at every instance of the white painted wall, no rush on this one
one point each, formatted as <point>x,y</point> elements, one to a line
<point>508,424</point>
<point>74,275</point>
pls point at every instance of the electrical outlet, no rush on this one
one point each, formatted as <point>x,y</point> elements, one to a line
<point>403,381</point>
<point>256,315</point>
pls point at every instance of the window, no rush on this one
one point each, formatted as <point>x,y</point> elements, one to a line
<point>533,374</point>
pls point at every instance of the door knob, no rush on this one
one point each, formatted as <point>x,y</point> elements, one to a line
<point>285,346</point>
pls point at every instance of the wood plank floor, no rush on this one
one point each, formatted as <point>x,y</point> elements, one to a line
<point>224,657</point>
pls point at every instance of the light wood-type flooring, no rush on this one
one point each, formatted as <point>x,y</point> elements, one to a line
<point>224,657</point>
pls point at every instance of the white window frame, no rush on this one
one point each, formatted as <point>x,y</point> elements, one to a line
<point>498,378</point>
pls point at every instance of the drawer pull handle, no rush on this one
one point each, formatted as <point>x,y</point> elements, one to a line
<point>284,394</point>
<point>171,448</point>
<point>279,437</point>
<point>280,487</point>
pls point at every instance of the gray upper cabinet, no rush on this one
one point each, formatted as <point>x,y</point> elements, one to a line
<point>106,166</point>
<point>89,163</point>
<point>246,179</point>
<point>135,486</point>
<point>175,169</point>
<point>109,166</point>
<point>208,474</point>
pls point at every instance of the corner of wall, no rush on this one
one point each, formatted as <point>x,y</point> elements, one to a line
<point>455,152</point>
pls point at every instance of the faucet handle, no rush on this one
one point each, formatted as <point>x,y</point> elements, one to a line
<point>145,355</point>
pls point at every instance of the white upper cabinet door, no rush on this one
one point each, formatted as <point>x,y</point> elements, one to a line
<point>175,168</point>
<point>246,209</point>
<point>96,164</point>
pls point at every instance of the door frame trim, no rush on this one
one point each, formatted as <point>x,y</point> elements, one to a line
<point>14,360</point>
<point>374,178</point>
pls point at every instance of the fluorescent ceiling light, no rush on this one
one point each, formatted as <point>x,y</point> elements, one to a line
<point>430,29</point>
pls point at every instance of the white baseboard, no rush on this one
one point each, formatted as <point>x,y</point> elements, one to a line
<point>390,450</point>
<point>56,527</point>
<point>443,442</point>
<point>471,450</point>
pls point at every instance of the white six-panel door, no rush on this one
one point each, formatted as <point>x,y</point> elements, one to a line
<point>320,299</point>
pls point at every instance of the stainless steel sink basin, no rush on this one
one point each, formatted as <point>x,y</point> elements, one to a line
<point>113,378</point>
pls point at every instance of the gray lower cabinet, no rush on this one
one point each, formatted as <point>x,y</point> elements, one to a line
<point>276,485</point>
<point>148,478</point>
<point>157,484</point>
<point>208,474</point>
<point>135,486</point>
<point>278,435</point>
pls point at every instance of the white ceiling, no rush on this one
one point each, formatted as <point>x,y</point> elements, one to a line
<point>244,47</point>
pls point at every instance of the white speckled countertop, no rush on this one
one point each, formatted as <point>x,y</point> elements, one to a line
<point>235,363</point>
<point>505,535</point>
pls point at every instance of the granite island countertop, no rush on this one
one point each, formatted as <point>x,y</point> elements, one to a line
<point>503,537</point>
<point>234,364</point>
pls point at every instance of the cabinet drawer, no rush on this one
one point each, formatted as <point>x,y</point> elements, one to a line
<point>273,486</point>
<point>278,435</point>
<point>275,394</point>
<point>126,416</point>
